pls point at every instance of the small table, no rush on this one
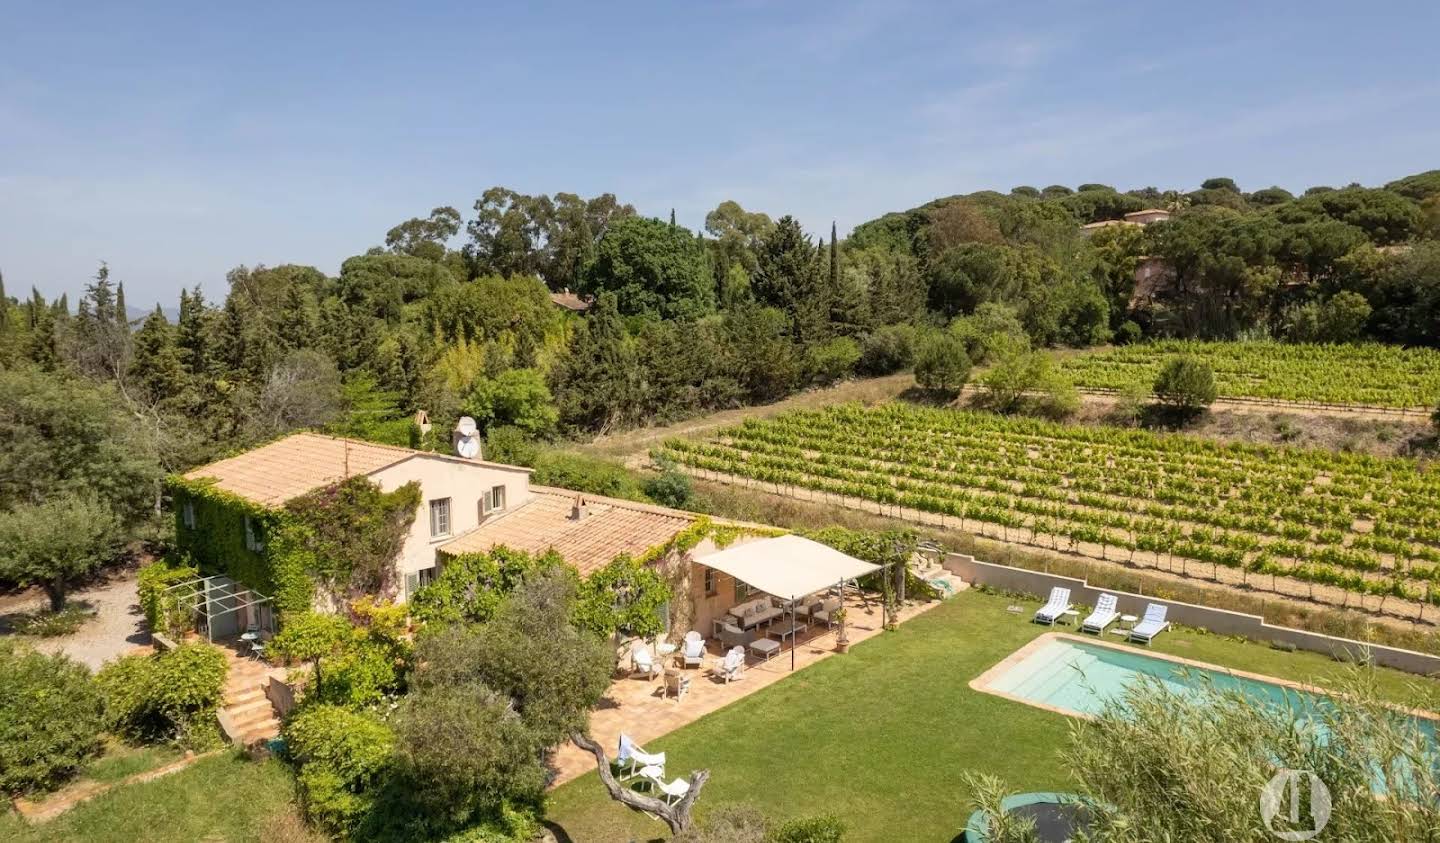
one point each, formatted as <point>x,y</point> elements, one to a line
<point>1071,616</point>
<point>1128,621</point>
<point>665,648</point>
<point>765,648</point>
<point>784,631</point>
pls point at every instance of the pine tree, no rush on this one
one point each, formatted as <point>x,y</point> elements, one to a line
<point>672,217</point>
<point>155,367</point>
<point>190,333</point>
<point>4,305</point>
<point>42,348</point>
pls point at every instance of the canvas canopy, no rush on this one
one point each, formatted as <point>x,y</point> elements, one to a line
<point>787,566</point>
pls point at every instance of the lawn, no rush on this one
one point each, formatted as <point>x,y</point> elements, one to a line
<point>881,736</point>
<point>224,798</point>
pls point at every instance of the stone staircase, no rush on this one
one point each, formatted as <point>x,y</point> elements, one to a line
<point>246,715</point>
<point>934,573</point>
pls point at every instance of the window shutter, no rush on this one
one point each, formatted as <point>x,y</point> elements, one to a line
<point>412,585</point>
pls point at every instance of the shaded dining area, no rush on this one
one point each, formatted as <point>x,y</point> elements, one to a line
<point>768,597</point>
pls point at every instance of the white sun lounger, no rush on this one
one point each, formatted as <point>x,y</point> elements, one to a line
<point>1151,625</point>
<point>1103,616</point>
<point>1057,605</point>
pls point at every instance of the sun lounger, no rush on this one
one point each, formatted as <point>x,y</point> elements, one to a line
<point>1104,615</point>
<point>1151,625</point>
<point>1057,605</point>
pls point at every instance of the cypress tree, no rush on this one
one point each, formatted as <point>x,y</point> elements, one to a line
<point>122,318</point>
<point>155,366</point>
<point>191,331</point>
<point>672,217</point>
<point>834,259</point>
<point>4,305</point>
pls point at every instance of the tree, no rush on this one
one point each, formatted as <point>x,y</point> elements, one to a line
<point>942,364</point>
<point>738,234</point>
<point>651,267</point>
<point>64,436</point>
<point>1186,384</point>
<point>50,719</point>
<point>517,398</point>
<point>1343,317</point>
<point>1163,763</point>
<point>424,238</point>
<point>155,367</point>
<point>55,543</point>
<point>1019,376</point>
<point>471,586</point>
<point>1220,184</point>
<point>509,232</point>
<point>786,277</point>
<point>302,390</point>
<point>596,384</point>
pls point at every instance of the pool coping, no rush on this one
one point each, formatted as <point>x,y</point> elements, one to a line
<point>981,683</point>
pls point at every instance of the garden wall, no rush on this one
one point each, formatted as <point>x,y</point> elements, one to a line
<point>1222,621</point>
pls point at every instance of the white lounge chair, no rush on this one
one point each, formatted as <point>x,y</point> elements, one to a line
<point>733,667</point>
<point>694,650</point>
<point>1104,614</point>
<point>1151,625</point>
<point>1057,605</point>
<point>675,791</point>
<point>638,759</point>
<point>642,661</point>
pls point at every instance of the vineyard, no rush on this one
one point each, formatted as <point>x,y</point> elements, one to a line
<point>1369,375</point>
<point>1346,529</point>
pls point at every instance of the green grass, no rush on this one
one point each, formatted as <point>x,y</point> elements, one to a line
<point>224,798</point>
<point>120,762</point>
<point>881,736</point>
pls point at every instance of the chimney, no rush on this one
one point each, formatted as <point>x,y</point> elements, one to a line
<point>579,510</point>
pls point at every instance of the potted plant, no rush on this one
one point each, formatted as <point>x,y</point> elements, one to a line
<point>842,639</point>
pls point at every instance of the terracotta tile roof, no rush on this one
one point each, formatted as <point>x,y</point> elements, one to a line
<point>569,301</point>
<point>610,528</point>
<point>303,462</point>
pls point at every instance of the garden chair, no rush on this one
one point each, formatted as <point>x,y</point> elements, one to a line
<point>676,683</point>
<point>642,661</point>
<point>694,654</point>
<point>1104,614</point>
<point>1057,605</point>
<point>1151,625</point>
<point>732,667</point>
<point>638,759</point>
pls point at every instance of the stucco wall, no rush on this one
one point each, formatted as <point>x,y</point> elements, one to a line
<point>708,607</point>
<point>1222,621</point>
<point>464,484</point>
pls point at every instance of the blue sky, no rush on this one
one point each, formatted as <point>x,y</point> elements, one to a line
<point>178,140</point>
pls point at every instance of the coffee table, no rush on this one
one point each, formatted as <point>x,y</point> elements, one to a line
<point>765,648</point>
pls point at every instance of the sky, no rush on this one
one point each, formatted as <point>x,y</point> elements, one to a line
<point>176,141</point>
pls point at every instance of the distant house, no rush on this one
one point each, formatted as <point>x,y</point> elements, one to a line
<point>1148,216</point>
<point>466,506</point>
<point>567,300</point>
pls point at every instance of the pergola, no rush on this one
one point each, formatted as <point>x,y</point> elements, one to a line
<point>214,597</point>
<point>788,567</point>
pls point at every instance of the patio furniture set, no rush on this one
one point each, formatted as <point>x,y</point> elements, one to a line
<point>649,768</point>
<point>750,624</point>
<point>1141,630</point>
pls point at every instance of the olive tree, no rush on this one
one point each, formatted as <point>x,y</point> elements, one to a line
<point>1186,384</point>
<point>55,543</point>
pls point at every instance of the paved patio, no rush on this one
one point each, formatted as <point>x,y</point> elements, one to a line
<point>637,705</point>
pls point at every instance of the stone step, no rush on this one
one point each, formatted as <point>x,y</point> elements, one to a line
<point>240,697</point>
<point>259,731</point>
<point>239,710</point>
<point>245,720</point>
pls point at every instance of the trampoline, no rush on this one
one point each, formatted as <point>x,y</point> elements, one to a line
<point>1057,816</point>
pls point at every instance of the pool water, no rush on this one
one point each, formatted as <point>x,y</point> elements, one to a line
<point>1079,677</point>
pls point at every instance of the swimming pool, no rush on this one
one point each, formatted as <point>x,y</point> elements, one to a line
<point>1076,676</point>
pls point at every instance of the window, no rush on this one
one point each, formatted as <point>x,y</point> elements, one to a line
<point>439,518</point>
<point>187,515</point>
<point>492,501</point>
<point>711,586</point>
<point>416,580</point>
<point>742,592</point>
<point>253,541</point>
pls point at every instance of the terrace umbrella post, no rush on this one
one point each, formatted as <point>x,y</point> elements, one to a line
<point>792,632</point>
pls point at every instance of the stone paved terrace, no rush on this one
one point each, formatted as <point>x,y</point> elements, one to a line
<point>637,706</point>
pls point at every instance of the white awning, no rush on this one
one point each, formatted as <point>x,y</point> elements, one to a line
<point>787,566</point>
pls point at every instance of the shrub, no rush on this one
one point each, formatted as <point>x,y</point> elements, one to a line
<point>1128,333</point>
<point>161,607</point>
<point>51,715</point>
<point>518,398</point>
<point>1186,383</point>
<point>48,624</point>
<point>888,349</point>
<point>470,586</point>
<point>941,364</point>
<point>510,445</point>
<point>342,757</point>
<point>829,361</point>
<point>587,474</point>
<point>165,696</point>
<point>671,487</point>
<point>822,829</point>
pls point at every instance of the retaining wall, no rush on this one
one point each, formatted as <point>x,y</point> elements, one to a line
<point>1221,621</point>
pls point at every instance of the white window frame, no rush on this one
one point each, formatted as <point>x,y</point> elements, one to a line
<point>492,500</point>
<point>440,505</point>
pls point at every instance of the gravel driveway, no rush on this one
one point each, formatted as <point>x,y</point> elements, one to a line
<point>117,628</point>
